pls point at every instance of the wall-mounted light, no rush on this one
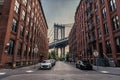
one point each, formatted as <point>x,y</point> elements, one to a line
<point>7,47</point>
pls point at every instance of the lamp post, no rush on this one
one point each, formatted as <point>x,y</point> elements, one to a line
<point>35,50</point>
<point>96,54</point>
<point>7,47</point>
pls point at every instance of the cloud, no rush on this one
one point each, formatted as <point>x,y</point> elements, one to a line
<point>59,11</point>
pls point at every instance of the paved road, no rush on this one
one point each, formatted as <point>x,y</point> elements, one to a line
<point>61,71</point>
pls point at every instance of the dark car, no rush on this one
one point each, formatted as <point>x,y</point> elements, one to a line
<point>53,62</point>
<point>84,65</point>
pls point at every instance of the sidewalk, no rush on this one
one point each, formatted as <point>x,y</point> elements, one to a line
<point>105,70</point>
<point>31,67</point>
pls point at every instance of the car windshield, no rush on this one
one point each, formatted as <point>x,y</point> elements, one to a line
<point>46,61</point>
<point>85,62</point>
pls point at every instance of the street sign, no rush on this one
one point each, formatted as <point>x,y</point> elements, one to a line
<point>95,53</point>
<point>35,49</point>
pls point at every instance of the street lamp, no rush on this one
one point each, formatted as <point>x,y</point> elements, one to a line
<point>7,47</point>
<point>35,50</point>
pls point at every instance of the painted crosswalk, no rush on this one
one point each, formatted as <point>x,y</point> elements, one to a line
<point>2,73</point>
<point>29,71</point>
<point>105,72</point>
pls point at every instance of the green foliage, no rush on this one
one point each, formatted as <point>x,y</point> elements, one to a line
<point>61,59</point>
<point>67,57</point>
<point>53,55</point>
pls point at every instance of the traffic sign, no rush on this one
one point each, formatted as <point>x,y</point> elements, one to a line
<point>95,53</point>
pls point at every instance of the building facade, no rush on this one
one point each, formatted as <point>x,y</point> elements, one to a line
<point>72,41</point>
<point>23,28</point>
<point>98,29</point>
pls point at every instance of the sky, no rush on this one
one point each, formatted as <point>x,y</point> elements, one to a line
<point>59,11</point>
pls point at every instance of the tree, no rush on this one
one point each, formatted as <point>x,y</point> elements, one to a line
<point>53,55</point>
<point>67,57</point>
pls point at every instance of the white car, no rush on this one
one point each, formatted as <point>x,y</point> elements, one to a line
<point>46,64</point>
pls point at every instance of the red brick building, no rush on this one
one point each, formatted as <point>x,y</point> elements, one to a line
<point>22,27</point>
<point>72,43</point>
<point>98,28</point>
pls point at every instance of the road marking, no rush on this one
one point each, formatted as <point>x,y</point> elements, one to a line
<point>105,72</point>
<point>29,71</point>
<point>2,73</point>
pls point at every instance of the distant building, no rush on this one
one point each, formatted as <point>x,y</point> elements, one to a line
<point>22,27</point>
<point>98,28</point>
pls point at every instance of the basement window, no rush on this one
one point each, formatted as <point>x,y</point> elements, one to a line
<point>0,15</point>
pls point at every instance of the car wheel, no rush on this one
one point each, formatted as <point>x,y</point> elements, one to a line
<point>76,66</point>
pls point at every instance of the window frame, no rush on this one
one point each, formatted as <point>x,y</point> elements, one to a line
<point>117,43</point>
<point>19,52</point>
<point>14,25</point>
<point>17,6</point>
<point>11,47</point>
<point>115,22</point>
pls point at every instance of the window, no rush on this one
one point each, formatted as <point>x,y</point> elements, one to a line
<point>112,5</point>
<point>1,2</point>
<point>11,47</point>
<point>25,52</point>
<point>101,1</point>
<point>108,47</point>
<point>105,29</point>
<point>21,31</point>
<point>33,4</point>
<point>97,19</point>
<point>99,33</point>
<point>35,19</point>
<point>26,35</point>
<point>19,53</point>
<point>32,15</point>
<point>35,10</point>
<point>115,23</point>
<point>104,13</point>
<point>36,2</point>
<point>29,9</point>
<point>14,25</point>
<point>25,2</point>
<point>117,42</point>
<point>23,15</point>
<point>16,7</point>
<point>30,38</point>
<point>96,6</point>
<point>28,20</point>
<point>0,15</point>
<point>31,24</point>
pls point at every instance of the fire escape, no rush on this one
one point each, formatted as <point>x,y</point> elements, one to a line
<point>91,39</point>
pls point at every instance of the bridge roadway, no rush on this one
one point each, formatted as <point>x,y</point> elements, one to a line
<point>59,43</point>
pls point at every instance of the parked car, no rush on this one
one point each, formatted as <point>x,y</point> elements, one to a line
<point>53,61</point>
<point>45,64</point>
<point>84,65</point>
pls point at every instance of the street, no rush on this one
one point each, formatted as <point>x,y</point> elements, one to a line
<point>61,71</point>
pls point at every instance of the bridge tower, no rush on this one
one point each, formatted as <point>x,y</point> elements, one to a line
<point>60,28</point>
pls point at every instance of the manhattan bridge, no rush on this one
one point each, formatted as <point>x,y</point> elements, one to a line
<point>58,38</point>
